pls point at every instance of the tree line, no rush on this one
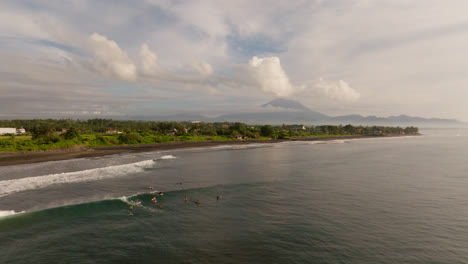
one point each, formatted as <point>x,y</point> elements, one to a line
<point>58,133</point>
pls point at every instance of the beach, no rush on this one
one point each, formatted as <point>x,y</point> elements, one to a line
<point>25,157</point>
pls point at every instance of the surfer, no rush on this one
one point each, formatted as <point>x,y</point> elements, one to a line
<point>131,207</point>
<point>219,197</point>
<point>137,202</point>
<point>197,202</point>
<point>160,206</point>
<point>130,213</point>
<point>185,198</point>
<point>151,188</point>
<point>154,199</point>
<point>160,193</point>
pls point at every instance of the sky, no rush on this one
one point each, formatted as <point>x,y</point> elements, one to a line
<point>148,57</point>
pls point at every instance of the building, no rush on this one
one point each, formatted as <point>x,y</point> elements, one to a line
<point>7,130</point>
<point>238,136</point>
<point>111,131</point>
<point>172,131</point>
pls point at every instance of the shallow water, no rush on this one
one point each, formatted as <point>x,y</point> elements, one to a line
<point>383,200</point>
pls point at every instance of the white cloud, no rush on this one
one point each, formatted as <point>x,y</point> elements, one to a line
<point>339,91</point>
<point>417,49</point>
<point>269,74</point>
<point>203,68</point>
<point>110,60</point>
<point>149,64</point>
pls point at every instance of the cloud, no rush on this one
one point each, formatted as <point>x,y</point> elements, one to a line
<point>203,68</point>
<point>151,69</point>
<point>110,60</point>
<point>149,64</point>
<point>339,91</point>
<point>269,74</point>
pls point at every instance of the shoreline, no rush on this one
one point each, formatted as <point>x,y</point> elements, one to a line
<point>19,158</point>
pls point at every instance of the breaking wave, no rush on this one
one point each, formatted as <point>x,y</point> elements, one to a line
<point>167,157</point>
<point>17,185</point>
<point>10,212</point>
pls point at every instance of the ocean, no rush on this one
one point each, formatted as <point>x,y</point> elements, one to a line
<point>378,200</point>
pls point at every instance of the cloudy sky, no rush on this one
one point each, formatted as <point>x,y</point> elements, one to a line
<point>150,57</point>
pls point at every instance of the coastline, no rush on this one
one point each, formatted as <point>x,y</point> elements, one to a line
<point>18,158</point>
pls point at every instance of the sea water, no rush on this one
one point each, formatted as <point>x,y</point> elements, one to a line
<point>379,200</point>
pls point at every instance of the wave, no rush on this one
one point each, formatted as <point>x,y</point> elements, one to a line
<point>315,142</point>
<point>10,212</point>
<point>166,157</point>
<point>122,204</point>
<point>237,147</point>
<point>17,185</point>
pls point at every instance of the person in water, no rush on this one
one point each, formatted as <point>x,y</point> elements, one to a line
<point>130,213</point>
<point>197,202</point>
<point>219,197</point>
<point>185,198</point>
<point>160,206</point>
<point>154,199</point>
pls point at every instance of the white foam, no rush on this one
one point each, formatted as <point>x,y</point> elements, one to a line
<point>337,141</point>
<point>245,146</point>
<point>17,185</point>
<point>306,142</point>
<point>125,200</point>
<point>167,157</point>
<point>10,212</point>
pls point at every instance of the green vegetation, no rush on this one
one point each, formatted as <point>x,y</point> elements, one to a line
<point>66,133</point>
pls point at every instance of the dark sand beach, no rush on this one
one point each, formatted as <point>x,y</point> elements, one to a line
<point>16,158</point>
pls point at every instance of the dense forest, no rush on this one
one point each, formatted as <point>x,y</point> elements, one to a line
<point>43,134</point>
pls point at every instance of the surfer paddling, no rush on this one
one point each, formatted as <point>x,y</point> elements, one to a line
<point>154,200</point>
<point>197,202</point>
<point>219,197</point>
<point>185,198</point>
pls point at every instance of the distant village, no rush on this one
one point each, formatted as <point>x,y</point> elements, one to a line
<point>37,134</point>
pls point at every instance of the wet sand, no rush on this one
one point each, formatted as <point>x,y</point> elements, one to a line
<point>16,158</point>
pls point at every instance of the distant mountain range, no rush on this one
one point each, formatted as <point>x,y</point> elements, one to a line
<point>284,111</point>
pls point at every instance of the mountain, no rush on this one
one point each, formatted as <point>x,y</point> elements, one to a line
<point>282,117</point>
<point>391,120</point>
<point>286,104</point>
<point>293,112</point>
<point>285,112</point>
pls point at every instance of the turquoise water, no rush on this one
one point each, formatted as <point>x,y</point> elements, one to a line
<point>399,200</point>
